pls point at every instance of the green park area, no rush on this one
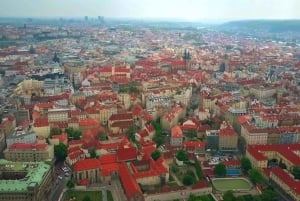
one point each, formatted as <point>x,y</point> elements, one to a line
<point>233,184</point>
<point>72,195</point>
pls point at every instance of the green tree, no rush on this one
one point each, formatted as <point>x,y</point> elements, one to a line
<point>174,168</point>
<point>156,154</point>
<point>193,197</point>
<point>86,198</point>
<point>70,184</point>
<point>77,135</point>
<point>246,164</point>
<point>92,153</point>
<point>228,196</point>
<point>187,180</point>
<point>60,151</point>
<point>242,144</point>
<point>220,170</point>
<point>269,195</point>
<point>158,138</point>
<point>296,172</point>
<point>199,171</point>
<point>255,176</point>
<point>55,131</point>
<point>131,132</point>
<point>74,134</point>
<point>182,155</point>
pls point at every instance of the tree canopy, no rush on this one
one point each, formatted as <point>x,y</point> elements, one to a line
<point>155,154</point>
<point>256,176</point>
<point>187,179</point>
<point>246,164</point>
<point>55,131</point>
<point>158,136</point>
<point>182,155</point>
<point>73,133</point>
<point>228,196</point>
<point>70,184</point>
<point>220,170</point>
<point>60,151</point>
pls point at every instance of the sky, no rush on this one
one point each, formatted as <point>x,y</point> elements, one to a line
<point>191,10</point>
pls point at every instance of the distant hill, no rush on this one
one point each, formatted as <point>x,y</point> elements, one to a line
<point>272,26</point>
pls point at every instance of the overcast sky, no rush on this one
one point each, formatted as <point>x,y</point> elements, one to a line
<point>177,9</point>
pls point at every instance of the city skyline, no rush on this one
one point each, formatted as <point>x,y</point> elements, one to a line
<point>191,10</point>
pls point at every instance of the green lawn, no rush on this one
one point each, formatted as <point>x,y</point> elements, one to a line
<point>79,195</point>
<point>109,196</point>
<point>231,184</point>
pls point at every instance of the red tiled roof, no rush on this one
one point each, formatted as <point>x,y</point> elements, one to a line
<point>122,116</point>
<point>87,164</point>
<point>61,137</point>
<point>28,146</point>
<point>107,146</point>
<point>126,154</point>
<point>122,124</point>
<point>88,122</point>
<point>107,169</point>
<point>227,132</point>
<point>293,184</point>
<point>286,150</point>
<point>129,184</point>
<point>176,132</point>
<point>45,105</point>
<point>232,163</point>
<point>108,158</point>
<point>194,144</point>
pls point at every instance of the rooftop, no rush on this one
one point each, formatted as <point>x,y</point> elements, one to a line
<point>35,175</point>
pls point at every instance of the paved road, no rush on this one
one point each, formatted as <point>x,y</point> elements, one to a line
<point>59,184</point>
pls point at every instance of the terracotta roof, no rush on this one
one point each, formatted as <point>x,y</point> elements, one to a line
<point>23,146</point>
<point>61,137</point>
<point>129,184</point>
<point>108,158</point>
<point>107,169</point>
<point>286,150</point>
<point>293,184</point>
<point>227,132</point>
<point>126,154</point>
<point>88,122</point>
<point>194,144</point>
<point>87,164</point>
<point>176,132</point>
<point>122,116</point>
<point>122,124</point>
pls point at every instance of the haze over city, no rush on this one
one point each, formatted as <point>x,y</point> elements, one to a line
<point>149,100</point>
<point>192,10</point>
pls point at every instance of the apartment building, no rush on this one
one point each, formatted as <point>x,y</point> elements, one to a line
<point>29,152</point>
<point>25,181</point>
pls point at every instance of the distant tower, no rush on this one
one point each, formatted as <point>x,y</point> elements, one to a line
<point>101,19</point>
<point>186,57</point>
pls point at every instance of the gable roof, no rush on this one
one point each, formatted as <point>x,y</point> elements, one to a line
<point>87,164</point>
<point>176,132</point>
<point>130,186</point>
<point>126,154</point>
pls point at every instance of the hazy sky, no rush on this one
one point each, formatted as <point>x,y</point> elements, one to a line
<point>178,9</point>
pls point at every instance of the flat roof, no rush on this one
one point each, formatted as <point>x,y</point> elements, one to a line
<point>35,172</point>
